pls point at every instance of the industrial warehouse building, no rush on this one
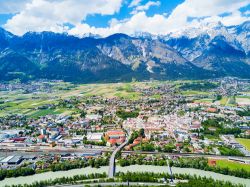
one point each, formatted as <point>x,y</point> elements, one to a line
<point>11,160</point>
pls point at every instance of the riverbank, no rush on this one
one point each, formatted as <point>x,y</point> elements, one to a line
<point>133,168</point>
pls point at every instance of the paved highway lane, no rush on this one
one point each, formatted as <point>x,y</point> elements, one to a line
<point>111,172</point>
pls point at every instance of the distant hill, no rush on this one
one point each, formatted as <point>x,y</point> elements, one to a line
<point>213,51</point>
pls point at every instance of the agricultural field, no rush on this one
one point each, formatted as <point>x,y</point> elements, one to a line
<point>30,104</point>
<point>243,100</point>
<point>228,101</point>
<point>193,92</point>
<point>121,90</point>
<point>206,100</point>
<point>223,101</point>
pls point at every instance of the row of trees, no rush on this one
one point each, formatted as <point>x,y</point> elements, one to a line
<point>192,181</point>
<point>198,86</point>
<point>244,113</point>
<point>67,165</point>
<point>202,163</point>
<point>124,114</point>
<point>136,134</point>
<point>61,166</point>
<point>102,143</point>
<point>197,163</point>
<point>63,180</point>
<point>16,172</point>
<point>227,151</point>
<point>218,124</point>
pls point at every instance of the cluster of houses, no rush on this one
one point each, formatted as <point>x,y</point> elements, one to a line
<point>229,140</point>
<point>165,115</point>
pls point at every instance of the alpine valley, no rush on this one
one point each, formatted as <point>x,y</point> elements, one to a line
<point>210,51</point>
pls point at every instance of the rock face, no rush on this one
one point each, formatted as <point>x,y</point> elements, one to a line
<point>211,51</point>
<point>224,51</point>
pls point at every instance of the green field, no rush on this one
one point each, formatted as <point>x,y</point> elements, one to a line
<point>156,96</point>
<point>228,101</point>
<point>192,92</point>
<point>223,101</point>
<point>18,102</point>
<point>204,101</point>
<point>244,142</point>
<point>232,165</point>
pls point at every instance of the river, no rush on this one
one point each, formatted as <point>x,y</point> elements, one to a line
<point>134,168</point>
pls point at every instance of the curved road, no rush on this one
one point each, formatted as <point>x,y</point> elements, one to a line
<point>111,172</point>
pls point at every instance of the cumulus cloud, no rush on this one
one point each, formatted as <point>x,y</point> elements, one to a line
<point>146,6</point>
<point>247,13</point>
<point>234,18</point>
<point>52,15</point>
<point>139,22</point>
<point>12,6</point>
<point>201,12</point>
<point>200,9</point>
<point>55,15</point>
<point>134,3</point>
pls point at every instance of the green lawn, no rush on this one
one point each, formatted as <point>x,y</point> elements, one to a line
<point>223,101</point>
<point>128,95</point>
<point>212,137</point>
<point>244,142</point>
<point>204,100</point>
<point>156,96</point>
<point>228,101</point>
<point>45,112</point>
<point>231,101</point>
<point>232,165</point>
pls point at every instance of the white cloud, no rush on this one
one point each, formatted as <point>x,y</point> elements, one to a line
<point>51,15</point>
<point>12,6</point>
<point>207,11</point>
<point>247,13</point>
<point>134,3</point>
<point>137,23</point>
<point>199,9</point>
<point>234,19</point>
<point>146,6</point>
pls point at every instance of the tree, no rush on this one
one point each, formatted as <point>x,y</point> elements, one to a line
<point>83,114</point>
<point>142,133</point>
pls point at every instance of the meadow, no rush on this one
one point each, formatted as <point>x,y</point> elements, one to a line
<point>232,165</point>
<point>31,104</point>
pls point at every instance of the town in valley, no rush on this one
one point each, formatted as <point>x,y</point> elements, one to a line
<point>56,125</point>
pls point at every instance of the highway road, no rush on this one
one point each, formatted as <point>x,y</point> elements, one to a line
<point>111,172</point>
<point>31,150</point>
<point>42,149</point>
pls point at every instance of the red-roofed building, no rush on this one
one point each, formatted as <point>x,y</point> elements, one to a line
<point>212,110</point>
<point>114,137</point>
<point>41,138</point>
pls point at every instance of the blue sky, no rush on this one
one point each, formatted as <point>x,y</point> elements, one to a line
<point>105,17</point>
<point>101,21</point>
